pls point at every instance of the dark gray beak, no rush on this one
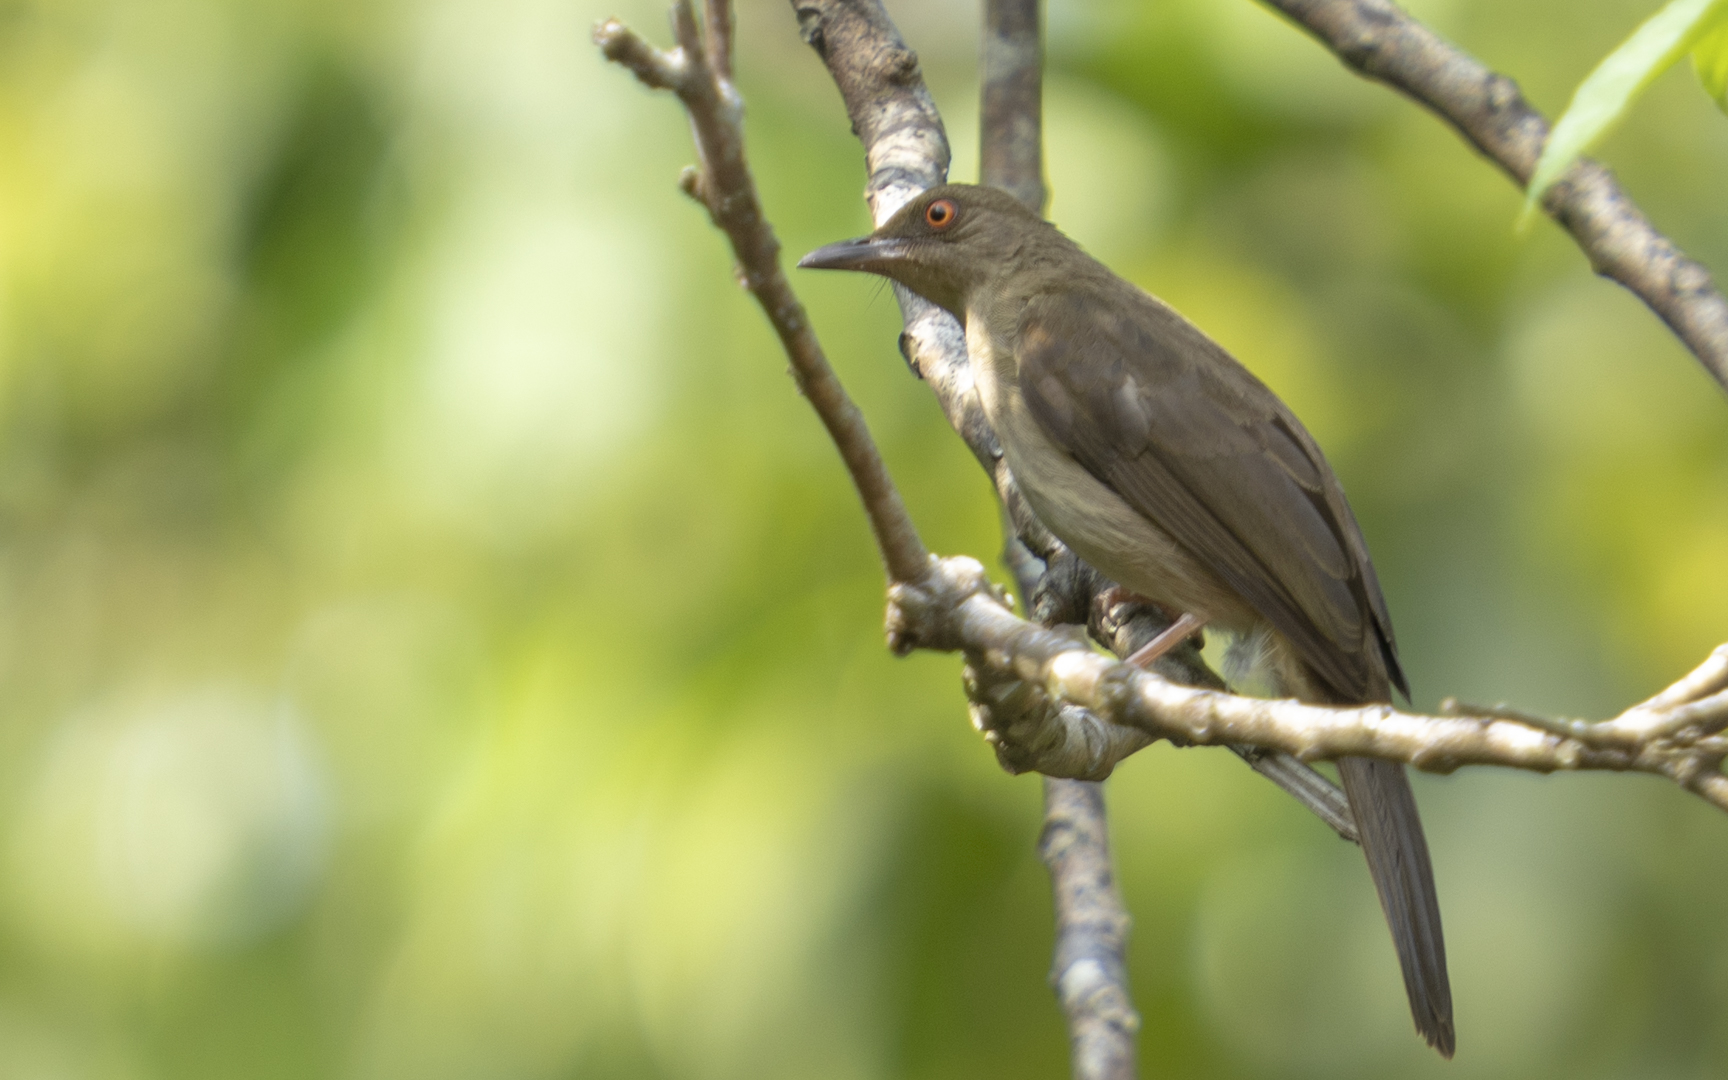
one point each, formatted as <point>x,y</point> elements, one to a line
<point>863,253</point>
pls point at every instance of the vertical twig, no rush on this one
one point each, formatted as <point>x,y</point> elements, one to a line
<point>1089,971</point>
<point>719,19</point>
<point>1011,113</point>
<point>724,186</point>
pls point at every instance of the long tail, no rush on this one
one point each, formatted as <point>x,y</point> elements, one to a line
<point>1391,832</point>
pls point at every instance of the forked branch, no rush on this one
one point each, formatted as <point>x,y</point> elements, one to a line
<point>722,183</point>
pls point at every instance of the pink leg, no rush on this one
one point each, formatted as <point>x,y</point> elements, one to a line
<point>1174,635</point>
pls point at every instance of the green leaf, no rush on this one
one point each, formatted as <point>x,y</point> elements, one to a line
<point>1710,61</point>
<point>1602,97</point>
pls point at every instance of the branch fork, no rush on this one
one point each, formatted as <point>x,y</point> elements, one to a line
<point>1029,728</point>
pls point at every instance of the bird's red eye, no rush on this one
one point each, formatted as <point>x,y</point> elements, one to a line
<point>941,213</point>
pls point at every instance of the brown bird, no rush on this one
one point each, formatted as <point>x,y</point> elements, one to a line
<point>1165,464</point>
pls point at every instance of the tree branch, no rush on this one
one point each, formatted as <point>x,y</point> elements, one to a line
<point>722,183</point>
<point>718,19</point>
<point>1678,734</point>
<point>1011,114</point>
<point>1089,971</point>
<point>1089,968</point>
<point>1377,39</point>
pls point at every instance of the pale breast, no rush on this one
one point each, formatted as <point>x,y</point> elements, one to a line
<point>1085,514</point>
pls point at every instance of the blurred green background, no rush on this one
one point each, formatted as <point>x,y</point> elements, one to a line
<point>437,641</point>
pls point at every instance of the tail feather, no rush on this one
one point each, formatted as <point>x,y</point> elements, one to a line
<point>1391,833</point>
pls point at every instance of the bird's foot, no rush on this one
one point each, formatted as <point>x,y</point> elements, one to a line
<point>1116,595</point>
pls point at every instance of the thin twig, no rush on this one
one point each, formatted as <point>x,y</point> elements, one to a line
<point>718,24</point>
<point>1566,729</point>
<point>1690,721</point>
<point>1707,678</point>
<point>1011,112</point>
<point>655,68</point>
<point>1377,39</point>
<point>724,185</point>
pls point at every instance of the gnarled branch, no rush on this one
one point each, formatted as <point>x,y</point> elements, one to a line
<point>722,183</point>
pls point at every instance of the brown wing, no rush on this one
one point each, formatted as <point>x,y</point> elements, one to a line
<point>1163,415</point>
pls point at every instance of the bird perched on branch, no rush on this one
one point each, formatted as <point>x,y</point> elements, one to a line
<point>1164,463</point>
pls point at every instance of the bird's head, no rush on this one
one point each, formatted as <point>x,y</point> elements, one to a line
<point>944,243</point>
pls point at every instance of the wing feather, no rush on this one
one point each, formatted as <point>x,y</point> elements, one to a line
<point>1188,437</point>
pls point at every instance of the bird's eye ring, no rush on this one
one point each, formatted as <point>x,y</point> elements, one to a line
<point>941,213</point>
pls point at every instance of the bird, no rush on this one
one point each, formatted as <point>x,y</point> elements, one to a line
<point>1160,460</point>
